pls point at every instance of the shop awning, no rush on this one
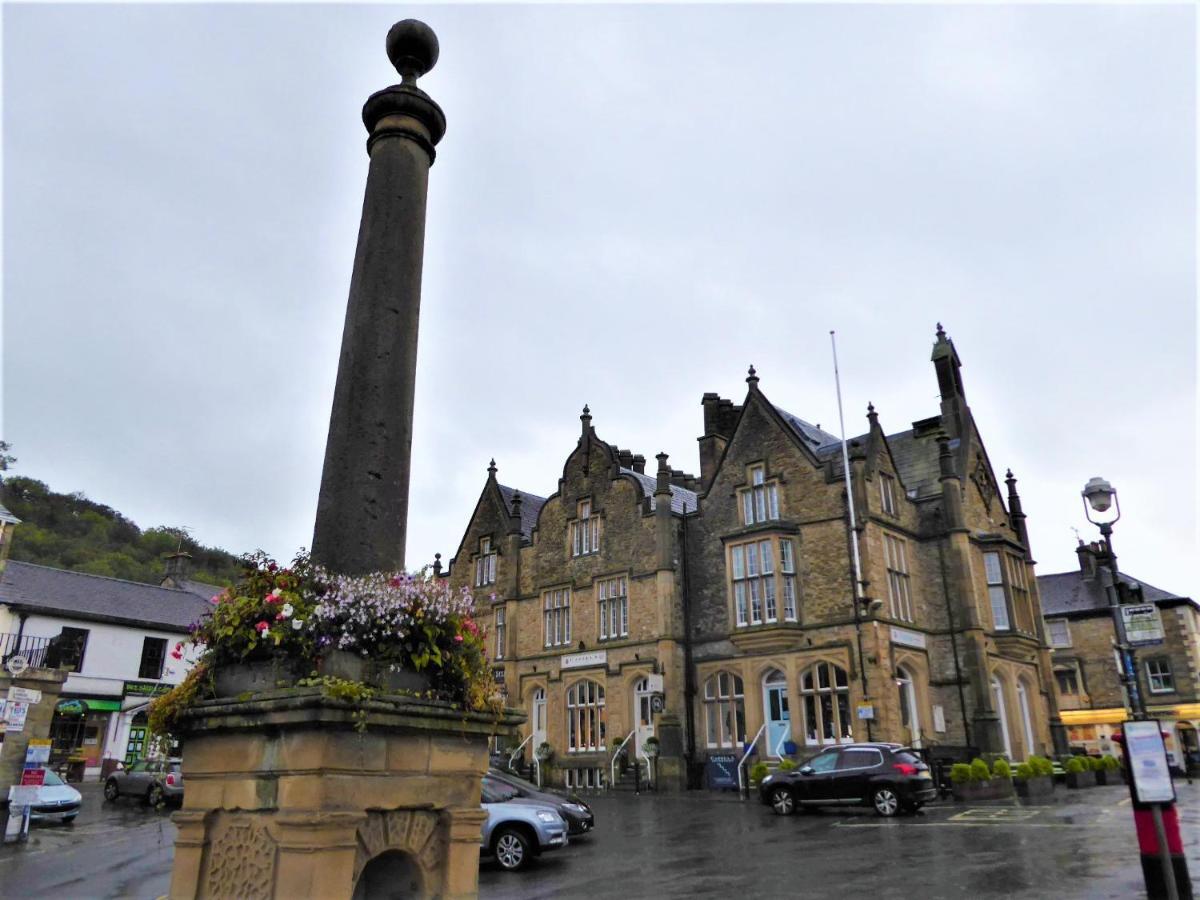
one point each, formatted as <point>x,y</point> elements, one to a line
<point>1113,716</point>
<point>77,706</point>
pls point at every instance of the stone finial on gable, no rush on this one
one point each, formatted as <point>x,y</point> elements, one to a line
<point>752,378</point>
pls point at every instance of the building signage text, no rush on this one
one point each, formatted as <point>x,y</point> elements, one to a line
<point>1143,624</point>
<point>584,660</point>
<point>907,638</point>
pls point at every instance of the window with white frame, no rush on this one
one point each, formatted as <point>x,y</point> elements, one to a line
<point>501,632</point>
<point>1058,632</point>
<point>556,610</point>
<point>485,563</point>
<point>590,779</point>
<point>760,501</point>
<point>585,531</point>
<point>787,576</point>
<point>996,595</point>
<point>896,560</point>
<point>613,595</point>
<point>585,717</point>
<point>887,493</point>
<point>758,587</point>
<point>724,711</point>
<point>1158,674</point>
<point>825,697</point>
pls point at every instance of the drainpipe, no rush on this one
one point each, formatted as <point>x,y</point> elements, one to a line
<point>962,699</point>
<point>689,675</point>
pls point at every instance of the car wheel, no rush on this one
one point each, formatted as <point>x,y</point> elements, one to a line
<point>783,802</point>
<point>885,801</point>
<point>155,795</point>
<point>511,848</point>
<point>111,791</point>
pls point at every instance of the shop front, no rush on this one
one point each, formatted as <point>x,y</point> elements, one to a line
<point>78,733</point>
<point>1090,731</point>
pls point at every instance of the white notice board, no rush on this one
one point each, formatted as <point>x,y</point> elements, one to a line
<point>1147,756</point>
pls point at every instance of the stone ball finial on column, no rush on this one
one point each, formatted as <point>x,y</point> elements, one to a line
<point>413,49</point>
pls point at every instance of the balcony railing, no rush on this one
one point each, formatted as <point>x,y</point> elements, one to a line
<point>32,648</point>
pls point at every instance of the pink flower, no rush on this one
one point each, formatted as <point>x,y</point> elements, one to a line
<point>458,638</point>
<point>215,599</point>
<point>272,597</point>
<point>279,617</point>
<point>262,626</point>
<point>175,654</point>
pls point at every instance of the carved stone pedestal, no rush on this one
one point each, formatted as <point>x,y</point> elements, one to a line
<point>285,797</point>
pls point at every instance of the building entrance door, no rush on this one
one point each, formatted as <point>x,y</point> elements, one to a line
<point>778,716</point>
<point>538,720</point>
<point>642,704</point>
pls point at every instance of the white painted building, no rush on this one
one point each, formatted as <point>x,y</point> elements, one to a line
<point>117,639</point>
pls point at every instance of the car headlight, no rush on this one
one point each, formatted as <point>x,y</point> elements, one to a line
<point>768,779</point>
<point>547,817</point>
<point>574,807</point>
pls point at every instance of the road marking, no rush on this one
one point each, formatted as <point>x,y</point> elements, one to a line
<point>985,824</point>
<point>994,813</point>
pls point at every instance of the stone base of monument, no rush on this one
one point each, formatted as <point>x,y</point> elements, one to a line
<point>292,793</point>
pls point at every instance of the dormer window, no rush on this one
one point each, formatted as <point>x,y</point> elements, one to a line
<point>585,531</point>
<point>760,501</point>
<point>485,563</point>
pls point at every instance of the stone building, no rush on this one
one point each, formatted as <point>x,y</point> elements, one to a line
<point>719,610</point>
<point>1080,631</point>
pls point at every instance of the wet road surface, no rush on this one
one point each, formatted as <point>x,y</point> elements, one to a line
<point>1079,845</point>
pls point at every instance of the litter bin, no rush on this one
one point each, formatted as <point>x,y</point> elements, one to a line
<point>75,768</point>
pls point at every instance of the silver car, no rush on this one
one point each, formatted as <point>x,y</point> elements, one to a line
<point>152,780</point>
<point>517,829</point>
<point>55,800</point>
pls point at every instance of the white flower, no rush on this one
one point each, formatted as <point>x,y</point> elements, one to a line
<point>287,610</point>
<point>297,624</point>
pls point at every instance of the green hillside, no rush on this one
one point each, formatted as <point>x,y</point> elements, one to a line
<point>69,531</point>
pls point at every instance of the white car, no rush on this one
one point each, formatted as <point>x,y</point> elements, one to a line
<point>55,800</point>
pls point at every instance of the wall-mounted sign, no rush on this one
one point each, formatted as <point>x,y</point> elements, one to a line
<point>866,711</point>
<point>16,665</point>
<point>939,719</point>
<point>1147,756</point>
<point>25,695</point>
<point>1143,625</point>
<point>14,714</point>
<point>906,638</point>
<point>584,660</point>
<point>144,688</point>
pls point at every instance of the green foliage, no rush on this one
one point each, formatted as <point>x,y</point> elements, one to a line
<point>960,773</point>
<point>1001,768</point>
<point>1024,771</point>
<point>1041,766</point>
<point>980,770</point>
<point>787,765</point>
<point>1075,766</point>
<point>1111,763</point>
<point>6,458</point>
<point>164,714</point>
<point>758,772</point>
<point>69,531</point>
<point>1095,763</point>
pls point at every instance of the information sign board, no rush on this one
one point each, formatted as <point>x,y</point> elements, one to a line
<point>14,715</point>
<point>1143,625</point>
<point>721,771</point>
<point>1147,756</point>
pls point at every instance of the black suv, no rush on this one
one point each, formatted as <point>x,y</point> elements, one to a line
<point>889,777</point>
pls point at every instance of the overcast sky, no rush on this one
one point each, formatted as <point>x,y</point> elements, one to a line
<point>631,204</point>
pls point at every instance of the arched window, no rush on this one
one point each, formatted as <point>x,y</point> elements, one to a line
<point>910,715</point>
<point>585,717</point>
<point>1026,717</point>
<point>724,710</point>
<point>1002,712</point>
<point>825,693</point>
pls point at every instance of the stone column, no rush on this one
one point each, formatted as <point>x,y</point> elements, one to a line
<point>362,510</point>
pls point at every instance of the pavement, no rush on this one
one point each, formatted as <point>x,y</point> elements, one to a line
<point>1078,844</point>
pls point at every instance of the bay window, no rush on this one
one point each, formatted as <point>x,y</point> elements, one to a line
<point>758,586</point>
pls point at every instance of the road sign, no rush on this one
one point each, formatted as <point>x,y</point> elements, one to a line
<point>33,777</point>
<point>37,752</point>
<point>1143,625</point>
<point>1148,761</point>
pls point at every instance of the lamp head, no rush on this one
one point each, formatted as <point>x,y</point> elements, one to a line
<point>1099,494</point>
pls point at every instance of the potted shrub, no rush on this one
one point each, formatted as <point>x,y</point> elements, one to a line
<point>1112,770</point>
<point>758,772</point>
<point>1079,774</point>
<point>787,765</point>
<point>979,783</point>
<point>1096,764</point>
<point>651,747</point>
<point>544,752</point>
<point>1034,778</point>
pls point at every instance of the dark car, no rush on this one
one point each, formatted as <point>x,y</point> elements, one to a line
<point>577,813</point>
<point>153,780</point>
<point>888,777</point>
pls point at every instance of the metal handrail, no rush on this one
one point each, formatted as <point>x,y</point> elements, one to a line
<point>521,746</point>
<point>745,757</point>
<point>617,755</point>
<point>783,739</point>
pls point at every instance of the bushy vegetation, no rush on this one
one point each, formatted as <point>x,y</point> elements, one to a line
<point>1001,769</point>
<point>960,773</point>
<point>758,772</point>
<point>787,765</point>
<point>1111,763</point>
<point>1024,771</point>
<point>69,531</point>
<point>1041,766</point>
<point>1095,763</point>
<point>1075,766</point>
<point>980,770</point>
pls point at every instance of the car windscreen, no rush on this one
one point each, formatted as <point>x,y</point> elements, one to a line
<point>51,780</point>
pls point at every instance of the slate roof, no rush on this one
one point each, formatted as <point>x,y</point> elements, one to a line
<point>680,497</point>
<point>41,589</point>
<point>917,461</point>
<point>531,505</point>
<point>1068,592</point>
<point>202,589</point>
<point>814,438</point>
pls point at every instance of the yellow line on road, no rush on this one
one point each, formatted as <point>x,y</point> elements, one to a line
<point>976,824</point>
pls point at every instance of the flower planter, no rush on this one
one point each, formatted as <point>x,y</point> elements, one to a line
<point>1077,780</point>
<point>353,667</point>
<point>254,677</point>
<point>1032,788</point>
<point>1102,777</point>
<point>992,789</point>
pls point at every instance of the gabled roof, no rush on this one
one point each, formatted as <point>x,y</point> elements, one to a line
<point>8,518</point>
<point>916,461</point>
<point>531,505</point>
<point>1069,592</point>
<point>41,589</point>
<point>682,500</point>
